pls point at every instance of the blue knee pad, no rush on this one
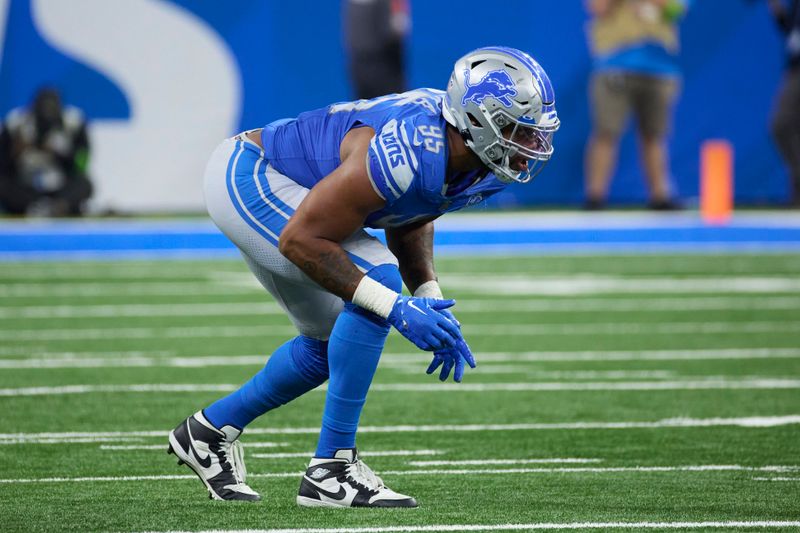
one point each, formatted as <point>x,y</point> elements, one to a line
<point>310,356</point>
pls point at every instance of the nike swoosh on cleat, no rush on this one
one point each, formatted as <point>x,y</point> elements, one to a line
<point>205,462</point>
<point>339,496</point>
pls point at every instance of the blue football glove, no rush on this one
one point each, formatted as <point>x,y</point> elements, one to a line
<point>421,321</point>
<point>451,357</point>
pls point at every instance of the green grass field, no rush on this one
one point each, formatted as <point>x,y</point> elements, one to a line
<point>653,390</point>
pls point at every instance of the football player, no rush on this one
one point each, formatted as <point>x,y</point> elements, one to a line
<point>295,198</point>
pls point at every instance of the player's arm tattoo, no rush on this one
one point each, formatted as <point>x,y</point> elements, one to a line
<point>333,270</point>
<point>332,211</point>
<point>413,247</point>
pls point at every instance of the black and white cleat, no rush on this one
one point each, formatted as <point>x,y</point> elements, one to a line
<point>346,481</point>
<point>215,455</point>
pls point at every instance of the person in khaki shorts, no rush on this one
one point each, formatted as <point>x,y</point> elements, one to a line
<point>785,123</point>
<point>634,44</point>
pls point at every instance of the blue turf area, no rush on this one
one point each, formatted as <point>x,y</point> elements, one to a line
<point>473,233</point>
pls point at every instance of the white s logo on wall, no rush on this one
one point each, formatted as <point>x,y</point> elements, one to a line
<point>181,81</point>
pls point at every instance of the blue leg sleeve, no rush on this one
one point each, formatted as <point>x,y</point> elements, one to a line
<point>294,369</point>
<point>354,349</point>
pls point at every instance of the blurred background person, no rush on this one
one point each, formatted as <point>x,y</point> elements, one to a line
<point>786,115</point>
<point>634,45</point>
<point>43,157</point>
<point>375,37</point>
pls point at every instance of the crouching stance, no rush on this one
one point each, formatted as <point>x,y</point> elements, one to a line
<point>295,198</point>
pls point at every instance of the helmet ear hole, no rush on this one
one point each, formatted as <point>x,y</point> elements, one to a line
<point>474,121</point>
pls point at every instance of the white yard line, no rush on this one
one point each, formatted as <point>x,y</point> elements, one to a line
<point>114,362</point>
<point>743,422</point>
<point>40,352</point>
<point>592,470</point>
<point>70,440</point>
<point>44,334</point>
<point>526,527</point>
<point>403,362</point>
<point>522,370</point>
<point>141,310</point>
<point>448,472</point>
<point>90,439</point>
<point>796,479</point>
<point>99,478</point>
<point>689,384</point>
<point>504,330</point>
<point>614,355</point>
<point>87,389</point>
<point>123,272</point>
<point>631,328</point>
<point>624,305</point>
<point>119,288</point>
<point>88,362</point>
<point>519,285</point>
<point>164,446</point>
<point>381,453</point>
<point>486,462</point>
<point>465,305</point>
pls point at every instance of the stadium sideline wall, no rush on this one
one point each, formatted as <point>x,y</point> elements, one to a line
<point>164,80</point>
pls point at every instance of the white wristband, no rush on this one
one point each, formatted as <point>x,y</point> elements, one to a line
<point>374,297</point>
<point>429,289</point>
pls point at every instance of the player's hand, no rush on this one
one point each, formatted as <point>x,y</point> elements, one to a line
<point>451,357</point>
<point>421,321</point>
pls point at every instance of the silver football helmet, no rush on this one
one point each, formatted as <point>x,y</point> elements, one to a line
<point>503,104</point>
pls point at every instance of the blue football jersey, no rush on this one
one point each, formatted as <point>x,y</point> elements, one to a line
<point>407,159</point>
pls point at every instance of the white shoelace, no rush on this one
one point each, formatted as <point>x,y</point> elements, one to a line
<point>364,475</point>
<point>235,454</point>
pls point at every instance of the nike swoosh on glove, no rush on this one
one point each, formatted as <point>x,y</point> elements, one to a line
<point>453,356</point>
<point>421,321</point>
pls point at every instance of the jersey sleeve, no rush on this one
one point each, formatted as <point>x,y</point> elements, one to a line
<point>391,161</point>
